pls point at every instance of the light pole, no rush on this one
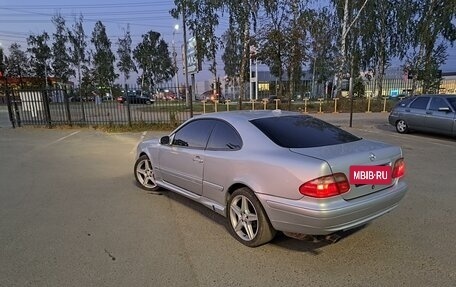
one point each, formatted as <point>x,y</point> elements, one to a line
<point>188,97</point>
<point>176,28</point>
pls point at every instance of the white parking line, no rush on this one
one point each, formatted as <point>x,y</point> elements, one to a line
<point>413,138</point>
<point>65,137</point>
<point>143,135</point>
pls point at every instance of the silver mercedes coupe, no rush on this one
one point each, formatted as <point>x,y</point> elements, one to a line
<point>269,171</point>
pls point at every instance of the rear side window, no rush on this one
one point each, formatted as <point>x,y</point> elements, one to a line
<point>437,103</point>
<point>420,103</point>
<point>224,137</point>
<point>404,102</point>
<point>452,102</point>
<point>302,132</point>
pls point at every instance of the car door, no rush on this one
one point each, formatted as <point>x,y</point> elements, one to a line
<point>182,162</point>
<point>221,153</point>
<point>415,113</point>
<point>440,116</point>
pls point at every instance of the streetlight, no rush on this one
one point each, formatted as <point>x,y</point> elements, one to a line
<point>176,28</point>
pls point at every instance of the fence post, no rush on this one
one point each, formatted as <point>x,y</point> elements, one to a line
<point>9,104</point>
<point>265,103</point>
<point>321,102</point>
<point>253,104</point>
<point>204,106</point>
<point>128,106</point>
<point>305,105</point>
<point>368,104</point>
<point>81,99</point>
<point>335,106</point>
<point>277,103</point>
<point>47,110</point>
<point>67,105</point>
<point>227,105</point>
<point>384,104</point>
<point>215,105</point>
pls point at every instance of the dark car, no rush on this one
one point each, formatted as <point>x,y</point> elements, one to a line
<point>273,98</point>
<point>427,113</point>
<point>135,99</point>
<point>209,96</point>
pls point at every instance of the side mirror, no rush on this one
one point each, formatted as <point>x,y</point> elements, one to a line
<point>164,140</point>
<point>444,109</point>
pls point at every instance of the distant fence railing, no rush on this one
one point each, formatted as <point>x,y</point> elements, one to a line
<point>52,107</point>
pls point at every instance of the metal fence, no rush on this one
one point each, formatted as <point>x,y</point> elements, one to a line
<point>52,107</point>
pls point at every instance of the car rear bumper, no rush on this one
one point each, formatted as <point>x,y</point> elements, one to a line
<point>392,119</point>
<point>321,217</point>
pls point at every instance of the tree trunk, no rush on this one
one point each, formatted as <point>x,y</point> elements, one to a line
<point>244,62</point>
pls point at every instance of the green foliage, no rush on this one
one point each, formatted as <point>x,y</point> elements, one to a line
<point>18,63</point>
<point>61,59</point>
<point>322,44</point>
<point>124,52</point>
<point>432,26</point>
<point>40,54</point>
<point>103,58</point>
<point>78,46</point>
<point>153,58</point>
<point>2,63</point>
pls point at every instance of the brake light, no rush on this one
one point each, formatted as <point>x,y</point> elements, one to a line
<point>326,186</point>
<point>399,168</point>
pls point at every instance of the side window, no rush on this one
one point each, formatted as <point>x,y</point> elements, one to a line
<point>452,101</point>
<point>194,134</point>
<point>405,102</point>
<point>437,103</point>
<point>420,103</point>
<point>224,137</point>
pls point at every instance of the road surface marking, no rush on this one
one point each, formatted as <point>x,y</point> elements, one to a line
<point>143,135</point>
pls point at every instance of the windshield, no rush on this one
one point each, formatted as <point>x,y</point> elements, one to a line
<point>302,132</point>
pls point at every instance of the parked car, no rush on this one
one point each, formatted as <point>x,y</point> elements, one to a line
<point>209,96</point>
<point>166,95</point>
<point>427,113</point>
<point>269,171</point>
<point>135,99</point>
<point>272,100</point>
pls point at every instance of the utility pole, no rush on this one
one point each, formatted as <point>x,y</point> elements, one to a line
<point>188,98</point>
<point>176,27</point>
<point>343,50</point>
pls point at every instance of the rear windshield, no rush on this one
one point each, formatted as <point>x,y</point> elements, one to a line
<point>302,132</point>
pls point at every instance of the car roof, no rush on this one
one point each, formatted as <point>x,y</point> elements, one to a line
<point>438,95</point>
<point>247,115</point>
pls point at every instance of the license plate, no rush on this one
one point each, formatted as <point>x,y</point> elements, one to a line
<point>376,174</point>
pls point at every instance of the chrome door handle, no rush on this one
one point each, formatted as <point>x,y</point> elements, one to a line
<point>197,159</point>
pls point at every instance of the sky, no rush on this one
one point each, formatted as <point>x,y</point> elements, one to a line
<point>20,18</point>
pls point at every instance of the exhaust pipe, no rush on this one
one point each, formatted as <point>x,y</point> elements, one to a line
<point>330,238</point>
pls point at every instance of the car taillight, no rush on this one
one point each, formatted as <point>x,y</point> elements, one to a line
<point>399,168</point>
<point>326,186</point>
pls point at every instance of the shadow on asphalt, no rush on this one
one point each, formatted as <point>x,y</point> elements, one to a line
<point>309,244</point>
<point>389,128</point>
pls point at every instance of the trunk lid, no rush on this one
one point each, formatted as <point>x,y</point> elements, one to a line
<point>363,152</point>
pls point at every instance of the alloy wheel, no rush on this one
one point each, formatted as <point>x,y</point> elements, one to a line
<point>244,218</point>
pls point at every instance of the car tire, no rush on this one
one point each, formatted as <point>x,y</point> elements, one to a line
<point>148,102</point>
<point>144,174</point>
<point>402,127</point>
<point>247,220</point>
